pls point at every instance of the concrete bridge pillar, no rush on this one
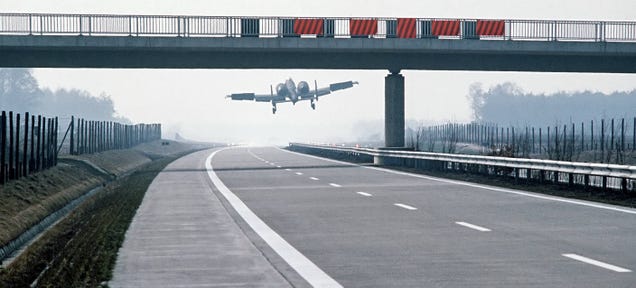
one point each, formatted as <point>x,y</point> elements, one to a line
<point>394,109</point>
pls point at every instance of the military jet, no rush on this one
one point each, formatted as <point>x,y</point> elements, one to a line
<point>289,92</point>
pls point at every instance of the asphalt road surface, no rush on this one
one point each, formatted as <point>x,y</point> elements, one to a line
<point>366,227</point>
<point>266,217</point>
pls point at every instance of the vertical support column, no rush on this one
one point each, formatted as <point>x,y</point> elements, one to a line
<point>394,109</point>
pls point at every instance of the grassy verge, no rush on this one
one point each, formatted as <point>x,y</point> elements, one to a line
<point>81,250</point>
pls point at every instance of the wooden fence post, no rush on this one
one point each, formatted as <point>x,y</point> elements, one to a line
<point>56,135</point>
<point>38,155</point>
<point>17,171</point>
<point>3,146</point>
<point>71,149</point>
<point>32,167</point>
<point>25,145</point>
<point>11,151</point>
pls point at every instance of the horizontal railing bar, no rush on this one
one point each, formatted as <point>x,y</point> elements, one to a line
<point>582,168</point>
<point>181,25</point>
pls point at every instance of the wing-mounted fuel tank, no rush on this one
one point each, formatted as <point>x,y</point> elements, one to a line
<point>302,88</point>
<point>281,90</point>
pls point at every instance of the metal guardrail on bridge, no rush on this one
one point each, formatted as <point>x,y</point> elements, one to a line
<point>336,27</point>
<point>588,174</point>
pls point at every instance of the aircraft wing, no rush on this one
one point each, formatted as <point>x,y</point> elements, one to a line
<point>255,97</point>
<point>327,90</point>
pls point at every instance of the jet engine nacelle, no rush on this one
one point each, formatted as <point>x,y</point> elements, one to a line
<point>281,90</point>
<point>303,88</point>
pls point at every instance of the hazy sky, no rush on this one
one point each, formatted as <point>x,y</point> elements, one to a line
<point>192,101</point>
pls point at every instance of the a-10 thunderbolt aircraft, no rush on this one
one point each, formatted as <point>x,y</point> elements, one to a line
<point>289,92</point>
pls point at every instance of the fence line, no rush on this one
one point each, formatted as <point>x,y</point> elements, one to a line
<point>559,142</point>
<point>30,144</point>
<point>89,137</point>
<point>40,138</point>
<point>605,176</point>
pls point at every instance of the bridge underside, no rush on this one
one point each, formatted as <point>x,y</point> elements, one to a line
<point>321,53</point>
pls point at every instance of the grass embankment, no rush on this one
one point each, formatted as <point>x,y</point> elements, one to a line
<point>81,250</point>
<point>24,202</point>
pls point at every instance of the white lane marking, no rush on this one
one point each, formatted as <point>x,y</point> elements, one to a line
<point>335,185</point>
<point>272,164</point>
<point>299,173</point>
<point>472,226</point>
<point>305,268</point>
<point>288,169</point>
<point>314,178</point>
<point>527,194</point>
<point>278,166</point>
<point>407,207</point>
<point>365,194</point>
<point>597,263</point>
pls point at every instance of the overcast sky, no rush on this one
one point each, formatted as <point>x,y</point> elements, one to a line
<point>192,101</point>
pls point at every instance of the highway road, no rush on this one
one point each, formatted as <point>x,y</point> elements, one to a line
<point>267,217</point>
<point>374,228</point>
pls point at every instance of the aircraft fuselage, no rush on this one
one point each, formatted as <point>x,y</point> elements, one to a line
<point>291,88</point>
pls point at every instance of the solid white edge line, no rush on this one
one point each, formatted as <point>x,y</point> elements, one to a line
<point>335,185</point>
<point>307,269</point>
<point>365,194</point>
<point>407,207</point>
<point>491,188</point>
<point>597,263</point>
<point>473,226</point>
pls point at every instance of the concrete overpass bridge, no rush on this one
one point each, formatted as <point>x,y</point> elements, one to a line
<point>394,44</point>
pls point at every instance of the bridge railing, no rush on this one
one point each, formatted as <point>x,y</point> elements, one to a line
<point>336,27</point>
<point>620,177</point>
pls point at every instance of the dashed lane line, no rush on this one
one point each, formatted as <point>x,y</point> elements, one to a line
<point>407,207</point>
<point>473,226</point>
<point>597,263</point>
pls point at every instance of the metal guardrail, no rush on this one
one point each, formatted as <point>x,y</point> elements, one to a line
<point>589,174</point>
<point>278,27</point>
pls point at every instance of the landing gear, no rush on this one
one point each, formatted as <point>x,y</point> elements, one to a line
<point>273,108</point>
<point>313,105</point>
